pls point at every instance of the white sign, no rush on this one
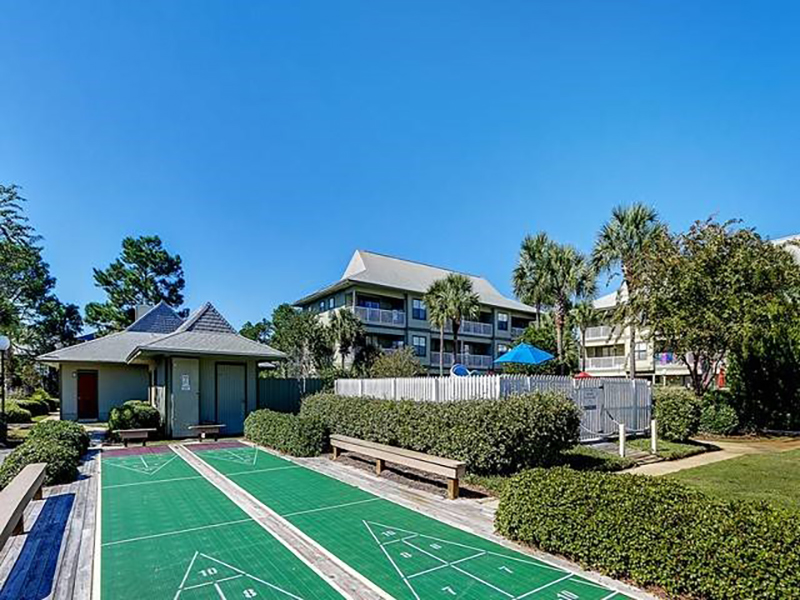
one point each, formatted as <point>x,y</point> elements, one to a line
<point>185,385</point>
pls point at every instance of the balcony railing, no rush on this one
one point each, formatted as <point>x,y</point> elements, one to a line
<point>470,328</point>
<point>666,359</point>
<point>474,361</point>
<point>603,332</point>
<point>379,316</point>
<point>606,362</point>
<point>517,331</point>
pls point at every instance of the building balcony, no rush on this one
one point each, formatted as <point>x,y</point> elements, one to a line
<point>379,316</point>
<point>472,361</point>
<point>599,363</point>
<point>603,333</point>
<point>517,331</point>
<point>470,328</point>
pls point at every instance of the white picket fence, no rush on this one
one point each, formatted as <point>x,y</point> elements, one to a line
<point>605,402</point>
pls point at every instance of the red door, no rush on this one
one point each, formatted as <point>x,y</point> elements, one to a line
<point>87,394</point>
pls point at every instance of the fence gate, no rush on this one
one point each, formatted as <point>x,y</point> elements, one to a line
<point>284,395</point>
<point>590,396</point>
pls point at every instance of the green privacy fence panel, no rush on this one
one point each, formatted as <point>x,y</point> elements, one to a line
<point>284,395</point>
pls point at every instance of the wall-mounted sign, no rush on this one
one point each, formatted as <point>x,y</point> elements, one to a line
<point>185,384</point>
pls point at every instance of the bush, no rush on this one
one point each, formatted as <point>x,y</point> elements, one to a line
<point>677,413</point>
<point>292,434</point>
<point>42,396</point>
<point>656,532</point>
<point>133,414</point>
<point>718,416</point>
<point>400,363</point>
<point>62,461</point>
<point>16,414</point>
<point>37,408</point>
<point>65,432</point>
<point>491,436</point>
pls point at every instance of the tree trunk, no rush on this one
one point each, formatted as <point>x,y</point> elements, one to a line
<point>559,322</point>
<point>538,315</point>
<point>456,327</point>
<point>441,351</point>
<point>632,361</point>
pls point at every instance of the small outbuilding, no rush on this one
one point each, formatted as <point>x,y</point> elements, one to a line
<point>194,371</point>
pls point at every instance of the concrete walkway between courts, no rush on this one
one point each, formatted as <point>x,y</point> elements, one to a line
<point>727,449</point>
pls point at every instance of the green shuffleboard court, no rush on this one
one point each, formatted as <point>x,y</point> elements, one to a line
<point>408,555</point>
<point>168,533</point>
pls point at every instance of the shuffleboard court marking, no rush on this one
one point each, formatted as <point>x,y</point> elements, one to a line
<point>324,508</point>
<point>214,572</point>
<point>135,483</point>
<point>236,456</point>
<point>177,532</point>
<point>264,470</point>
<point>146,468</point>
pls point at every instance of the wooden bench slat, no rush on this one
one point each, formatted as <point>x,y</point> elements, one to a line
<point>16,496</point>
<point>421,456</point>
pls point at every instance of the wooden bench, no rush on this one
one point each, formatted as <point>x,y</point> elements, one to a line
<point>453,470</point>
<point>127,435</point>
<point>212,429</point>
<point>26,486</point>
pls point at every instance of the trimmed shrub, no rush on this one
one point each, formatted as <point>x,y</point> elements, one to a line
<point>43,396</point>
<point>62,461</point>
<point>37,408</point>
<point>134,414</point>
<point>65,432</point>
<point>292,434</point>
<point>16,414</point>
<point>677,413</point>
<point>656,532</point>
<point>491,436</point>
<point>718,416</point>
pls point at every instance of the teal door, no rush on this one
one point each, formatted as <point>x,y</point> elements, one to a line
<point>185,395</point>
<point>231,397</point>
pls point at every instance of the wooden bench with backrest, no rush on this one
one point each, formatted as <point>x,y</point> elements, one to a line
<point>16,496</point>
<point>127,435</point>
<point>453,470</point>
<point>205,429</point>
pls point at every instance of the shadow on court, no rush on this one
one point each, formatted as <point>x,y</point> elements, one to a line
<point>33,574</point>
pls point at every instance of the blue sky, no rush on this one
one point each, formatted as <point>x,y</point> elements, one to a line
<point>264,141</point>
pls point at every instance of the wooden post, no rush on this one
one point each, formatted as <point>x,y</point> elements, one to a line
<point>452,489</point>
<point>336,452</point>
<point>394,388</point>
<point>622,440</point>
<point>653,437</point>
<point>380,465</point>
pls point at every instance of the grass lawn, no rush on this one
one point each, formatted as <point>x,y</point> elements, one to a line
<point>670,450</point>
<point>773,477</point>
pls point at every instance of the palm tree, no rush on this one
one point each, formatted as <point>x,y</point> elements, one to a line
<point>346,329</point>
<point>618,243</point>
<point>436,302</point>
<point>583,316</point>
<point>461,302</point>
<point>530,274</point>
<point>571,278</point>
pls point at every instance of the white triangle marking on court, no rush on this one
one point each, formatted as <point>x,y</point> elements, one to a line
<point>215,582</point>
<point>145,469</point>
<point>237,458</point>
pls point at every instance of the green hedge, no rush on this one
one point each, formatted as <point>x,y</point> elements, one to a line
<point>656,532</point>
<point>491,436</point>
<point>66,432</point>
<point>134,414</point>
<point>677,413</point>
<point>42,395</point>
<point>16,414</point>
<point>62,461</point>
<point>292,434</point>
<point>717,415</point>
<point>37,408</point>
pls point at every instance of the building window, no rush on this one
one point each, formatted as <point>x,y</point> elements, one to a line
<point>418,310</point>
<point>420,343</point>
<point>641,350</point>
<point>502,321</point>
<point>322,306</point>
<point>331,303</point>
<point>501,349</point>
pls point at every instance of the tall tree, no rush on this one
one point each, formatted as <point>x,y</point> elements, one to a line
<point>530,278</point>
<point>571,279</point>
<point>462,304</point>
<point>144,273</point>
<point>706,292</point>
<point>618,244</point>
<point>436,302</point>
<point>346,330</point>
<point>260,331</point>
<point>583,316</point>
<point>304,339</point>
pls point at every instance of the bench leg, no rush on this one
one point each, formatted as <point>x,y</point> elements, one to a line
<point>125,442</point>
<point>452,489</point>
<point>38,494</point>
<point>19,528</point>
<point>380,465</point>
<point>144,443</point>
<point>336,453</point>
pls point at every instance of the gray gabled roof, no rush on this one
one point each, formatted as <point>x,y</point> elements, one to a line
<point>205,332</point>
<point>391,272</point>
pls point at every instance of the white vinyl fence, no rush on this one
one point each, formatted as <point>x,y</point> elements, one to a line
<point>605,403</point>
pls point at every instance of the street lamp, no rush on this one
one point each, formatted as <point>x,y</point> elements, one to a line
<point>5,343</point>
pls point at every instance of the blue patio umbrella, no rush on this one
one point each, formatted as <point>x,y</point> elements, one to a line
<point>525,354</point>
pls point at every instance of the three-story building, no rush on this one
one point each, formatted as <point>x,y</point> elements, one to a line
<point>387,294</point>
